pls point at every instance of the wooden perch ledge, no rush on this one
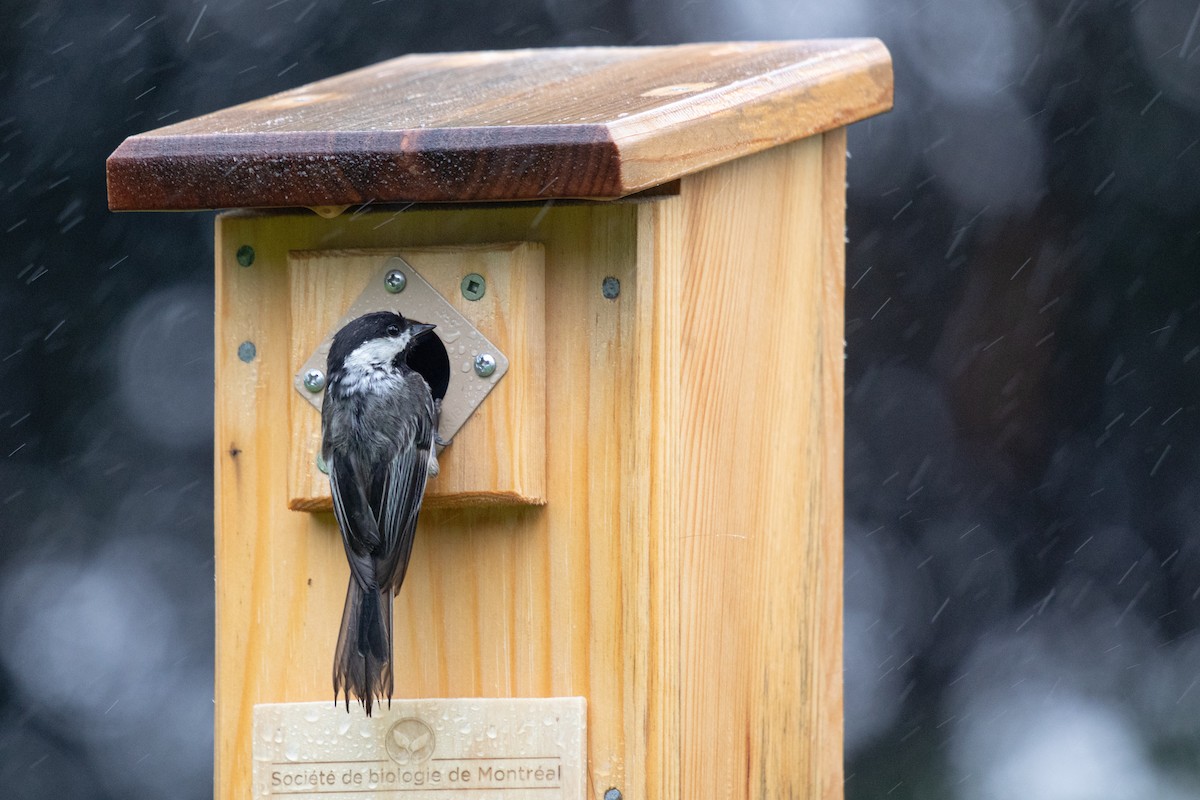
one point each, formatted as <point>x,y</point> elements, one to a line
<point>596,123</point>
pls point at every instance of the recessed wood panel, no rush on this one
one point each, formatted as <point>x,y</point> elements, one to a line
<point>499,456</point>
<point>500,601</point>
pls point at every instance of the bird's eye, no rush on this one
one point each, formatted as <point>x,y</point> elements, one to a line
<point>393,330</point>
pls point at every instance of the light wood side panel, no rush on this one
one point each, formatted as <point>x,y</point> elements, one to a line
<point>660,289</point>
<point>829,430</point>
<point>515,601</point>
<point>499,456</point>
<point>757,478</point>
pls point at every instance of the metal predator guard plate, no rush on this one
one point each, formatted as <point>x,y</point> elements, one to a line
<point>421,302</point>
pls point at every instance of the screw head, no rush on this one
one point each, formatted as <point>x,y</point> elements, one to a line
<point>610,287</point>
<point>245,255</point>
<point>395,281</point>
<point>473,286</point>
<point>314,380</point>
<point>612,794</point>
<point>247,351</point>
<point>485,364</point>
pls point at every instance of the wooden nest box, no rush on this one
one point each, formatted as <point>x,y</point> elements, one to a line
<point>645,510</point>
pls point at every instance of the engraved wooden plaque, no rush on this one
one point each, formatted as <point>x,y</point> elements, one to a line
<point>490,749</point>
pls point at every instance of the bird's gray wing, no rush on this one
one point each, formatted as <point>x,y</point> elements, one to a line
<point>402,486</point>
<point>360,531</point>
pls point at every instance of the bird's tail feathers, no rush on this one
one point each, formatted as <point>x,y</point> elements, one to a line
<point>362,663</point>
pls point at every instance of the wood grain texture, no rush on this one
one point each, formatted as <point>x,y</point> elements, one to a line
<point>685,572</point>
<point>658,454</point>
<point>827,713</point>
<point>758,477</point>
<point>499,456</point>
<point>517,601</point>
<point>598,123</point>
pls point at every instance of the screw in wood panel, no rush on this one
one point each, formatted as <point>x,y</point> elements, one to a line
<point>395,281</point>
<point>247,351</point>
<point>485,365</point>
<point>612,794</point>
<point>245,255</point>
<point>314,380</point>
<point>610,287</point>
<point>474,286</point>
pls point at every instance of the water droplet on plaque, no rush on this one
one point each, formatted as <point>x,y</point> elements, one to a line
<point>292,752</point>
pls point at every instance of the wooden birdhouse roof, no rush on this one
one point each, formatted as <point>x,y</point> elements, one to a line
<point>587,122</point>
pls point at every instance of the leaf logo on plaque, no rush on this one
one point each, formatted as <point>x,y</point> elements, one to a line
<point>409,741</point>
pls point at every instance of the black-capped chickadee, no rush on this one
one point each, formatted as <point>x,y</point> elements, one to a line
<point>378,430</point>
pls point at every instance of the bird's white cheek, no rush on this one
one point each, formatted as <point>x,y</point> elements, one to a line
<point>375,354</point>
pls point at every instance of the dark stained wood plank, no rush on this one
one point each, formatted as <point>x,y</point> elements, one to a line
<point>589,123</point>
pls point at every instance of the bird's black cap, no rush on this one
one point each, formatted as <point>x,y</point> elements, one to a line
<point>425,355</point>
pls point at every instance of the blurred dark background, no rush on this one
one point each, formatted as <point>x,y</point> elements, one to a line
<point>1023,272</point>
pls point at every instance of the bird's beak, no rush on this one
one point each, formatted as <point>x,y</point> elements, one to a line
<point>420,329</point>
